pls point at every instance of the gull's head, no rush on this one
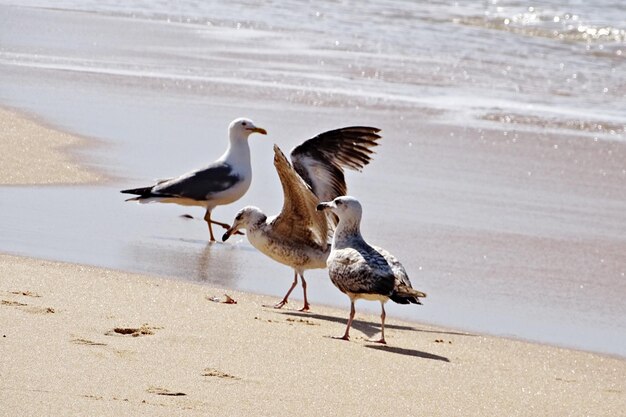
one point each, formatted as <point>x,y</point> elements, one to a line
<point>345,207</point>
<point>242,128</point>
<point>246,217</point>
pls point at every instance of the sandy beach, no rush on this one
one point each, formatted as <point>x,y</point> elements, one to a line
<point>47,150</point>
<point>80,340</point>
<point>500,183</point>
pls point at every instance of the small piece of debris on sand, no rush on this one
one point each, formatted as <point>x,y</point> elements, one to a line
<point>226,300</point>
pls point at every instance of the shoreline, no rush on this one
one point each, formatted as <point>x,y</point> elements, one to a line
<point>364,308</point>
<point>295,300</point>
<point>52,154</point>
<point>66,151</point>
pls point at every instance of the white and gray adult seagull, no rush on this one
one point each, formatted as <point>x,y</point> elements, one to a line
<point>224,181</point>
<point>363,271</point>
<point>299,236</point>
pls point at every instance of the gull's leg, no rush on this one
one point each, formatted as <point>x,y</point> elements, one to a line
<point>346,335</point>
<point>293,285</point>
<point>306,306</point>
<point>224,225</point>
<point>382,320</point>
<point>207,218</point>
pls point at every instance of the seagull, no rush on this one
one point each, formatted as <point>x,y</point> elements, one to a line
<point>222,182</point>
<point>299,236</point>
<point>363,271</point>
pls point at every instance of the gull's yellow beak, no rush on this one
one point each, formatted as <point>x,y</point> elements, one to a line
<point>258,130</point>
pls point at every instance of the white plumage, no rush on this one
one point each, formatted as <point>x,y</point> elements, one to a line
<point>223,182</point>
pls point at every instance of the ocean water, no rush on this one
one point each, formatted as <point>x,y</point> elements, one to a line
<point>500,182</point>
<point>525,60</point>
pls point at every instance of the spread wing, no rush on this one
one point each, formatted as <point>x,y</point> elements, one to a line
<point>298,220</point>
<point>320,161</point>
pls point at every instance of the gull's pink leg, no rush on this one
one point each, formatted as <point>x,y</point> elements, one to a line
<point>346,335</point>
<point>207,218</point>
<point>293,285</point>
<point>382,320</point>
<point>306,306</point>
<point>226,226</point>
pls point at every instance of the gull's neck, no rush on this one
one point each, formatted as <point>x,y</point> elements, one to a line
<point>238,152</point>
<point>348,233</point>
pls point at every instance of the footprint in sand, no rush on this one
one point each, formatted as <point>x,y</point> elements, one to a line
<point>87,342</point>
<point>212,372</point>
<point>164,391</point>
<point>26,293</point>
<point>289,320</point>
<point>144,330</point>
<point>10,303</point>
<point>303,321</point>
<point>27,308</point>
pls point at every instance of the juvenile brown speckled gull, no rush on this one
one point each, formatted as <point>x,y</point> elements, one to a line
<point>363,271</point>
<point>299,236</point>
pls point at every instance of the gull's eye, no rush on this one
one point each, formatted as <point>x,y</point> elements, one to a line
<point>339,202</point>
<point>244,124</point>
<point>239,216</point>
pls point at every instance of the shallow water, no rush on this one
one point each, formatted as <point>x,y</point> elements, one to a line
<point>501,190</point>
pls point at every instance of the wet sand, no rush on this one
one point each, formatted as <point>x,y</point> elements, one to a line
<point>90,341</point>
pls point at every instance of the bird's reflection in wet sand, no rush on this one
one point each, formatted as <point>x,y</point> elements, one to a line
<point>215,264</point>
<point>211,263</point>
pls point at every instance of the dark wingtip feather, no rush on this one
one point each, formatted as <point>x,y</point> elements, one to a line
<point>332,152</point>
<point>349,146</point>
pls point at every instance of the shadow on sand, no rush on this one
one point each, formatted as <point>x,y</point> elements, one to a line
<point>369,328</point>
<point>408,352</point>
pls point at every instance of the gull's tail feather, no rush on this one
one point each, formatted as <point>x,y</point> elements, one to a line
<point>142,193</point>
<point>403,294</point>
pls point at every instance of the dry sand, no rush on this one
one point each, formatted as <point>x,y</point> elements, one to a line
<point>64,352</point>
<point>79,340</point>
<point>31,153</point>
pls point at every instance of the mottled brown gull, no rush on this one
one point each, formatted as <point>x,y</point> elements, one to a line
<point>363,271</point>
<point>299,236</point>
<point>223,182</point>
